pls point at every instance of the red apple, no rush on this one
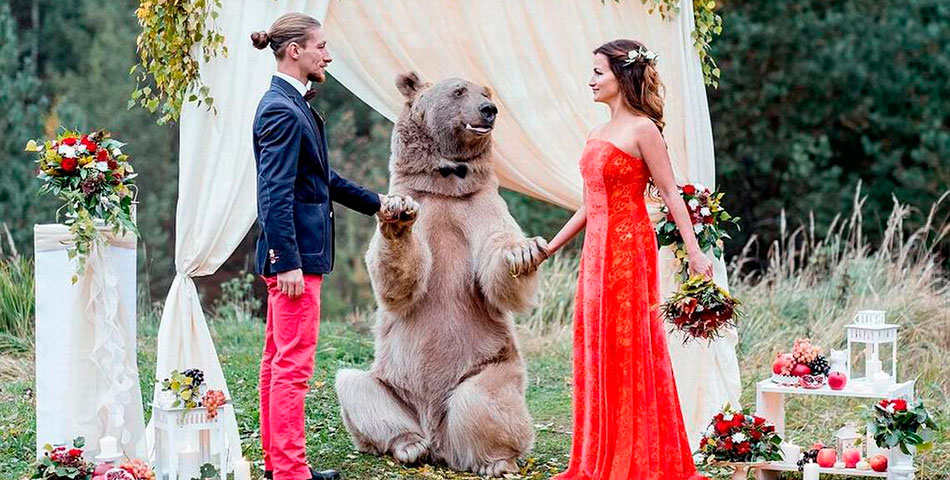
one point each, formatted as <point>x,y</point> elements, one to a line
<point>878,463</point>
<point>782,361</point>
<point>800,370</point>
<point>827,457</point>
<point>851,457</point>
<point>837,380</point>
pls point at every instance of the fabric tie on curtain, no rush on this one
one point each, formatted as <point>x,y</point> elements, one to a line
<point>216,190</point>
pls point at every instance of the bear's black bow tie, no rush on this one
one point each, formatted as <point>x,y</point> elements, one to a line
<point>460,170</point>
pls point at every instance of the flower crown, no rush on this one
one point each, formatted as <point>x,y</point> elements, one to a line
<point>641,53</point>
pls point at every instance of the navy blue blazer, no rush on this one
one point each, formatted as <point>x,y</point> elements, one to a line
<point>296,186</point>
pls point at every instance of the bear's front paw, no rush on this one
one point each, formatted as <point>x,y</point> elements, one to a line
<point>526,257</point>
<point>397,214</point>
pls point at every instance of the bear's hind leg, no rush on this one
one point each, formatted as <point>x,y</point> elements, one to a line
<point>487,425</point>
<point>377,421</point>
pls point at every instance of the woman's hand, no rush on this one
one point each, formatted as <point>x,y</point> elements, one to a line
<point>700,265</point>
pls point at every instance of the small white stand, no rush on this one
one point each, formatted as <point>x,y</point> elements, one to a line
<point>770,404</point>
<point>187,439</point>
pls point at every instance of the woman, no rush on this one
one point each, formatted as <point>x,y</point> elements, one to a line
<point>627,419</point>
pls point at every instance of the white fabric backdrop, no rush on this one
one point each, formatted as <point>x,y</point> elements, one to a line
<point>87,381</point>
<point>535,54</point>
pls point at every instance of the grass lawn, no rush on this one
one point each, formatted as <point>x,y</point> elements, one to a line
<point>341,345</point>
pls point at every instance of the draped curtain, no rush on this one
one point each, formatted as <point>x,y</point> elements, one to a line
<point>536,57</point>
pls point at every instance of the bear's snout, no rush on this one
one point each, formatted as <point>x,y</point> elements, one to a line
<point>488,111</point>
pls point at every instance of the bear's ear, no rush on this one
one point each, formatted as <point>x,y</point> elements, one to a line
<point>409,85</point>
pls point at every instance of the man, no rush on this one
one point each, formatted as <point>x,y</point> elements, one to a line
<point>295,188</point>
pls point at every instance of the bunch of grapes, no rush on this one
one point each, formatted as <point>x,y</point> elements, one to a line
<point>139,469</point>
<point>804,351</point>
<point>212,400</point>
<point>197,377</point>
<point>810,456</point>
<point>819,366</point>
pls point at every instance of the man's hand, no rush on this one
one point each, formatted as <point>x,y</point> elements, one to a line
<point>291,283</point>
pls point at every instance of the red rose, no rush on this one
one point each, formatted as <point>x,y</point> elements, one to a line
<point>689,189</point>
<point>723,427</point>
<point>102,155</point>
<point>737,419</point>
<point>68,164</point>
<point>727,444</point>
<point>755,434</point>
<point>743,448</point>
<point>113,165</point>
<point>758,420</point>
<point>75,452</point>
<point>884,403</point>
<point>708,220</point>
<point>719,417</point>
<point>71,141</point>
<point>703,442</point>
<point>900,405</point>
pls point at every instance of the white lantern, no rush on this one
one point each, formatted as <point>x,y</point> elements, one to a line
<point>186,439</point>
<point>846,438</point>
<point>869,329</point>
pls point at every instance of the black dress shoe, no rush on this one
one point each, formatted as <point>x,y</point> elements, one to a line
<point>314,475</point>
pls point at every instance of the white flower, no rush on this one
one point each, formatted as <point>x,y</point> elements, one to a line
<point>116,152</point>
<point>710,430</point>
<point>67,151</point>
<point>698,228</point>
<point>890,408</point>
<point>704,211</point>
<point>738,437</point>
<point>727,417</point>
<point>102,166</point>
<point>81,147</point>
<point>693,203</point>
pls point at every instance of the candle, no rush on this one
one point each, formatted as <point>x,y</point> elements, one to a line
<point>242,470</point>
<point>108,446</point>
<point>189,464</point>
<point>810,471</point>
<point>791,452</point>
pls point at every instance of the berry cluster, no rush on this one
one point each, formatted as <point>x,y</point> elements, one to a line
<point>819,366</point>
<point>810,456</point>
<point>139,469</point>
<point>804,351</point>
<point>197,377</point>
<point>212,400</point>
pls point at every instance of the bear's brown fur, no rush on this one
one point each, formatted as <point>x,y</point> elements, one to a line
<point>447,383</point>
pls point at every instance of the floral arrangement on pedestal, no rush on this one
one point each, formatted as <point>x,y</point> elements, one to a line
<point>700,309</point>
<point>93,178</point>
<point>709,221</point>
<point>738,436</point>
<point>805,366</point>
<point>901,423</point>
<point>62,462</point>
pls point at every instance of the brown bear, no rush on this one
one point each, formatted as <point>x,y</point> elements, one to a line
<point>448,380</point>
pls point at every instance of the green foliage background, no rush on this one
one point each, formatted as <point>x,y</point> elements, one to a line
<point>815,95</point>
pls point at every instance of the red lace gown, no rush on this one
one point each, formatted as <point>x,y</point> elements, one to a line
<point>627,418</point>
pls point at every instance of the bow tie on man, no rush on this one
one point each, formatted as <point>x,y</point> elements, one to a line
<point>459,170</point>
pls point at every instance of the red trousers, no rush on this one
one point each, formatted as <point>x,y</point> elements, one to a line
<point>286,368</point>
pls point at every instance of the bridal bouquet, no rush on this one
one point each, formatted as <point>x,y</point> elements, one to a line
<point>188,390</point>
<point>898,422</point>
<point>92,177</point>
<point>709,223</point>
<point>62,462</point>
<point>737,436</point>
<point>700,309</point>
